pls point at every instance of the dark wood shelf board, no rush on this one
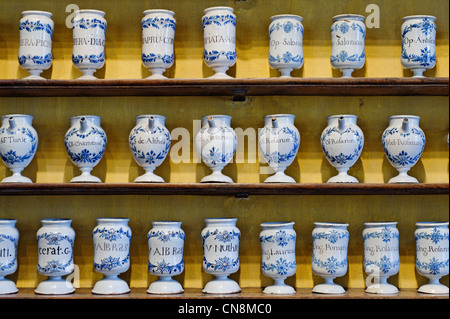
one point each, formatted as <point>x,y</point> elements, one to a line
<point>238,88</point>
<point>237,189</point>
<point>247,293</point>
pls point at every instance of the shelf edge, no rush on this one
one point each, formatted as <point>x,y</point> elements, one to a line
<point>237,190</point>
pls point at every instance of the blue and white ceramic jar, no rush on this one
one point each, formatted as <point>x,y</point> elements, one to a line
<point>381,256</point>
<point>279,142</point>
<point>112,239</point>
<point>278,255</point>
<point>329,255</point>
<point>18,145</point>
<point>9,239</point>
<point>216,143</point>
<point>165,256</point>
<point>286,43</point>
<point>85,143</point>
<point>35,50</point>
<point>348,35</point>
<point>418,44</point>
<point>219,36</point>
<point>149,143</point>
<point>432,255</point>
<point>403,143</point>
<point>158,36</point>
<point>220,239</point>
<point>89,36</point>
<point>55,256</point>
<point>342,143</point>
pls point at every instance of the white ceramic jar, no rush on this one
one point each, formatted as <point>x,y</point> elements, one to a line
<point>403,143</point>
<point>216,143</point>
<point>432,255</point>
<point>85,143</point>
<point>278,255</point>
<point>9,239</point>
<point>35,50</point>
<point>286,43</point>
<point>348,34</point>
<point>381,256</point>
<point>342,142</point>
<point>18,145</point>
<point>418,44</point>
<point>165,256</point>
<point>219,37</point>
<point>158,36</point>
<point>279,142</point>
<point>89,36</point>
<point>329,255</point>
<point>149,143</point>
<point>112,238</point>
<point>55,256</point>
<point>220,239</point>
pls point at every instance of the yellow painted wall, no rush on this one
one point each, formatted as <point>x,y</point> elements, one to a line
<point>51,120</point>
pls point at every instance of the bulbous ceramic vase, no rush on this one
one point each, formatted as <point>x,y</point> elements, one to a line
<point>279,142</point>
<point>216,142</point>
<point>85,143</point>
<point>149,143</point>
<point>342,143</point>
<point>18,145</point>
<point>403,143</point>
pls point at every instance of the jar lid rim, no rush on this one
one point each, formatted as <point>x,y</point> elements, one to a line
<point>286,16</point>
<point>419,16</point>
<point>349,15</point>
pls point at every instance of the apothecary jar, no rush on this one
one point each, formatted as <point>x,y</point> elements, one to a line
<point>286,43</point>
<point>89,37</point>
<point>9,239</point>
<point>381,256</point>
<point>112,239</point>
<point>35,49</point>
<point>432,255</point>
<point>55,256</point>
<point>165,256</point>
<point>418,44</point>
<point>220,239</point>
<point>278,255</point>
<point>348,35</point>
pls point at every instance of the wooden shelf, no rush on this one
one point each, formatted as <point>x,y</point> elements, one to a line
<point>237,88</point>
<point>247,293</point>
<point>238,190</point>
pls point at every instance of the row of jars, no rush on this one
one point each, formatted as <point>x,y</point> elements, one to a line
<point>220,240</point>
<point>348,33</point>
<point>342,142</point>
